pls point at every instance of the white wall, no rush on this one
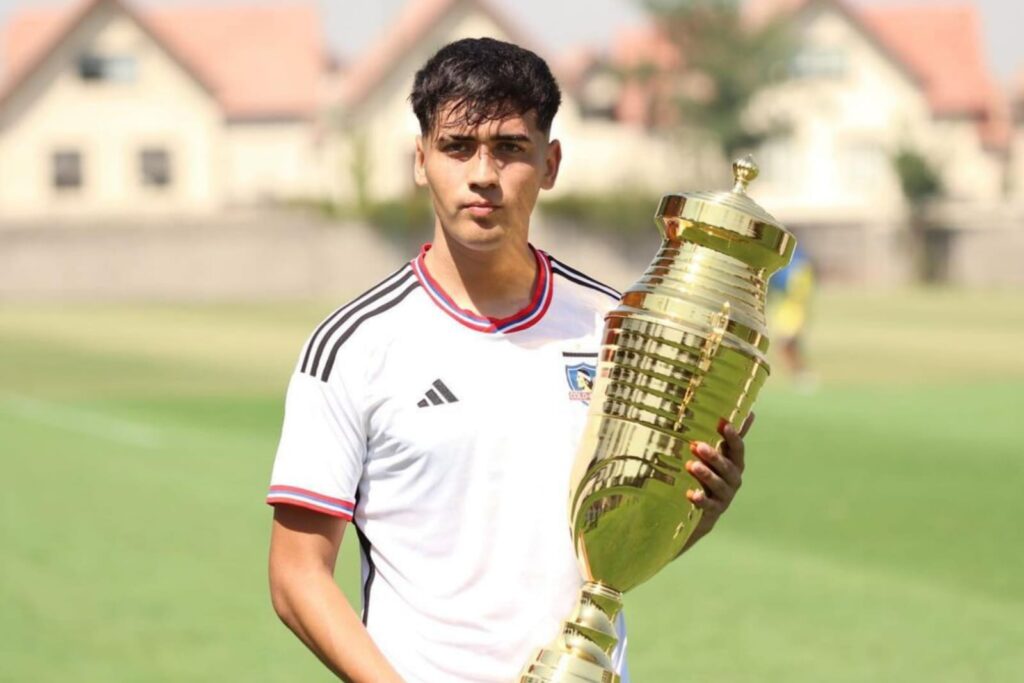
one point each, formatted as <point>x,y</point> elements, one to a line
<point>268,160</point>
<point>601,156</point>
<point>1015,179</point>
<point>969,171</point>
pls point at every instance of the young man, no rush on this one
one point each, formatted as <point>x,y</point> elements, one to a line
<point>439,412</point>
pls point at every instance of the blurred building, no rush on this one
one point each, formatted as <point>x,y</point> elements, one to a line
<point>112,108</point>
<point>864,85</point>
<point>375,126</point>
<point>106,110</point>
<point>867,83</point>
<point>109,108</point>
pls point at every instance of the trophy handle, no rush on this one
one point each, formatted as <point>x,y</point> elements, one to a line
<point>708,350</point>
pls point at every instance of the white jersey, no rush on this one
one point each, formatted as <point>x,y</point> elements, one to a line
<point>448,440</point>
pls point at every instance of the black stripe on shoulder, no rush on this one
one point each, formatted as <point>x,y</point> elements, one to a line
<point>366,302</point>
<point>361,300</point>
<point>581,279</point>
<point>384,306</point>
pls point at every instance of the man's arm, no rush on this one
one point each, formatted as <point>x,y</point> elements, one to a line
<point>721,472</point>
<point>303,549</point>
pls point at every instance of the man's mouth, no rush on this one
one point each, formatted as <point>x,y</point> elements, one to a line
<point>480,208</point>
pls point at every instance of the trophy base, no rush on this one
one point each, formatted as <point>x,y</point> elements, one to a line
<point>552,666</point>
<point>581,653</point>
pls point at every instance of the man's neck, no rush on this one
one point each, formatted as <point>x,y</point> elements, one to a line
<point>495,284</point>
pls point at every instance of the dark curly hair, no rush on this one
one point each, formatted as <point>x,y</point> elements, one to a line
<point>484,80</point>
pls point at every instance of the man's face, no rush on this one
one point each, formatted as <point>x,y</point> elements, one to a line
<point>484,180</point>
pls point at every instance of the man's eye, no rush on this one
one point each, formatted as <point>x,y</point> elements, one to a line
<point>455,148</point>
<point>510,148</point>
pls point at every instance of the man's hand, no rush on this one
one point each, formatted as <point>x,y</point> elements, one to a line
<point>721,473</point>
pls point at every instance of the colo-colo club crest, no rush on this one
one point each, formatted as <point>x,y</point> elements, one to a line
<point>580,375</point>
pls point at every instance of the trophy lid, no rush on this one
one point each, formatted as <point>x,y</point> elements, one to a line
<point>728,221</point>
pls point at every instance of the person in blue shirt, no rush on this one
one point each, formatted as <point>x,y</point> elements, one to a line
<point>790,292</point>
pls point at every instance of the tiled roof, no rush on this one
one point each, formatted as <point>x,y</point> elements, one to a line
<point>641,52</point>
<point>645,45</point>
<point>759,11</point>
<point>573,64</point>
<point>258,60</point>
<point>262,59</point>
<point>943,44</point>
<point>27,34</point>
<point>413,22</point>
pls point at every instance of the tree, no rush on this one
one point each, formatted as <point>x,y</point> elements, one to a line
<point>734,59</point>
<point>921,185</point>
<point>919,180</point>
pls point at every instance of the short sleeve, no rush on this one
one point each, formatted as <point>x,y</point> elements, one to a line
<point>323,445</point>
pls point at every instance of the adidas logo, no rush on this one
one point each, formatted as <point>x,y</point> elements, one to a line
<point>437,395</point>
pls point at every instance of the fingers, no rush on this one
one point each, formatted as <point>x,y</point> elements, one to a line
<point>719,476</point>
<point>710,506</point>
<point>719,470</point>
<point>747,424</point>
<point>733,448</point>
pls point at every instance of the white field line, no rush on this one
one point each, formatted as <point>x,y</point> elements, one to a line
<point>80,421</point>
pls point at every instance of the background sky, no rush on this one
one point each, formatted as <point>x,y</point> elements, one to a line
<point>352,24</point>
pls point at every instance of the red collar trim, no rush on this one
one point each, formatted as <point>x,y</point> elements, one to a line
<point>528,316</point>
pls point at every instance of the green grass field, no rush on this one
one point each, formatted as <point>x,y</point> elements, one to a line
<point>878,536</point>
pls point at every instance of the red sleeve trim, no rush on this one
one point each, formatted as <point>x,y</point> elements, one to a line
<point>311,500</point>
<point>274,502</point>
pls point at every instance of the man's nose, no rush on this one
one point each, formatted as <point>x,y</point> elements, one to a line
<point>483,170</point>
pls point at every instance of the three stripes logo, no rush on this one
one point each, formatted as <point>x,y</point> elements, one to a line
<point>438,394</point>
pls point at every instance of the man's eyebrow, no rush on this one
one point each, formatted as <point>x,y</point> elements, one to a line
<point>507,137</point>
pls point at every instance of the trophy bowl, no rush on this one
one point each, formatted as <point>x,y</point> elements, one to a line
<point>685,348</point>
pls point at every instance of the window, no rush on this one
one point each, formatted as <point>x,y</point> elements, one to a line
<point>155,167</point>
<point>818,62</point>
<point>600,95</point>
<point>67,169</point>
<point>114,68</point>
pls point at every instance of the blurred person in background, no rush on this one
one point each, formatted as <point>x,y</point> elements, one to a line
<point>790,292</point>
<point>440,411</point>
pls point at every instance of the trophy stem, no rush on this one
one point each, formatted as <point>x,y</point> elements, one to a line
<point>582,651</point>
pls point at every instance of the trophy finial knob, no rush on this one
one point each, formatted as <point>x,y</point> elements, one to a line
<point>744,171</point>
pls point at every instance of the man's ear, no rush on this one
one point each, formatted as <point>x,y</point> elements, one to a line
<point>552,161</point>
<point>419,173</point>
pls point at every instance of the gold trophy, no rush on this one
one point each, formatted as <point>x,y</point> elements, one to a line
<point>684,348</point>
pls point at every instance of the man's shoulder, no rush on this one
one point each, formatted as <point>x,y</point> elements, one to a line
<point>365,321</point>
<point>587,288</point>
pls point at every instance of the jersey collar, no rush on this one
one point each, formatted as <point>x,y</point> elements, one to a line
<point>528,316</point>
